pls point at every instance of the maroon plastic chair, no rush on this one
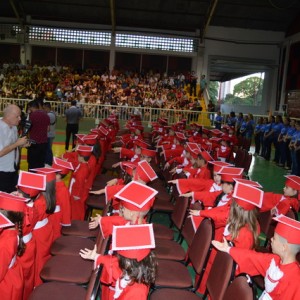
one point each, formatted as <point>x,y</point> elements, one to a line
<point>240,288</point>
<point>239,158</point>
<point>220,275</point>
<point>81,228</point>
<point>71,269</point>
<point>62,291</point>
<point>172,274</point>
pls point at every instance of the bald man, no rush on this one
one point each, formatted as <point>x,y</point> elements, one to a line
<point>9,144</point>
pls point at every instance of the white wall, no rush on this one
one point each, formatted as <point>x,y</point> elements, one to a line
<point>246,45</point>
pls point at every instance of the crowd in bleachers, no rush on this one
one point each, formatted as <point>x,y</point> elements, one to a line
<point>115,88</point>
<point>132,175</point>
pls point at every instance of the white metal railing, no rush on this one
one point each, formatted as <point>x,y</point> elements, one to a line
<point>101,111</point>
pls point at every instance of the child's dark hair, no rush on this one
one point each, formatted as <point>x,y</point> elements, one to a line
<point>50,196</point>
<point>17,219</point>
<point>143,271</point>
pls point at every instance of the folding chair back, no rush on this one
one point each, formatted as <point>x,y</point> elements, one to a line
<point>240,288</point>
<point>221,274</point>
<point>201,247</point>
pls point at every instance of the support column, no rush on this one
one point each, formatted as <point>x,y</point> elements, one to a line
<point>25,54</point>
<point>112,53</point>
<point>285,62</point>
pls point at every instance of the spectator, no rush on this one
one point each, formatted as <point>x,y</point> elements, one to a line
<point>203,85</point>
<point>193,85</point>
<point>211,108</point>
<point>9,143</point>
<point>40,124</point>
<point>73,115</point>
<point>218,120</point>
<point>51,133</point>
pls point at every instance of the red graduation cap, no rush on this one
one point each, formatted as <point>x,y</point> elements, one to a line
<point>247,196</point>
<point>216,132</point>
<point>12,202</point>
<point>140,143</point>
<point>31,183</point>
<point>148,152</point>
<point>195,153</point>
<point>62,166</point>
<point>219,165</point>
<point>180,135</point>
<point>49,172</point>
<point>80,138</point>
<point>192,146</point>
<point>206,156</point>
<point>90,139</point>
<point>205,131</point>
<point>293,182</point>
<point>5,222</point>
<point>249,182</point>
<point>94,131</point>
<point>103,131</point>
<point>84,150</point>
<point>288,228</point>
<point>145,171</point>
<point>136,196</point>
<point>215,139</point>
<point>134,242</point>
<point>128,167</point>
<point>229,173</point>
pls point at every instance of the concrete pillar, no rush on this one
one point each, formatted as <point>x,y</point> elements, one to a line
<point>285,62</point>
<point>25,54</point>
<point>112,53</point>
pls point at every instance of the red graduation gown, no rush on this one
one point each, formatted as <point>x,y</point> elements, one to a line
<point>77,191</point>
<point>111,272</point>
<point>43,237</point>
<point>11,275</point>
<point>63,216</point>
<point>254,263</point>
<point>281,202</point>
<point>27,260</point>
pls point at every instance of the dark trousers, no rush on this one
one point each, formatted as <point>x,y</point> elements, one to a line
<point>36,155</point>
<point>257,140</point>
<point>8,181</point>
<point>71,129</point>
<point>49,153</point>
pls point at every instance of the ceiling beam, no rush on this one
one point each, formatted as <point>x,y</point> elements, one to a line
<point>208,17</point>
<point>16,12</point>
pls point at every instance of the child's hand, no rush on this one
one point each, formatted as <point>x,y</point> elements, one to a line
<point>175,181</point>
<point>88,254</point>
<point>95,221</point>
<point>115,165</point>
<point>194,212</point>
<point>99,192</point>
<point>224,247</point>
<point>112,182</point>
<point>167,166</point>
<point>186,195</point>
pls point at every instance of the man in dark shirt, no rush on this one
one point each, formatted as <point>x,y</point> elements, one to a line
<point>40,123</point>
<point>73,115</point>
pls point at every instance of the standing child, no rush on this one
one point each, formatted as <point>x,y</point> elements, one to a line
<point>78,182</point>
<point>130,271</point>
<point>62,214</point>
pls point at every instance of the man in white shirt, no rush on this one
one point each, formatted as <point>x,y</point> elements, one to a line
<point>9,147</point>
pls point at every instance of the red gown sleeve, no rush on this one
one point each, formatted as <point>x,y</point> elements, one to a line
<point>107,223</point>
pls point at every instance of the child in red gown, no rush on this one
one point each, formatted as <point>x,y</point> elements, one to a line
<point>129,272</point>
